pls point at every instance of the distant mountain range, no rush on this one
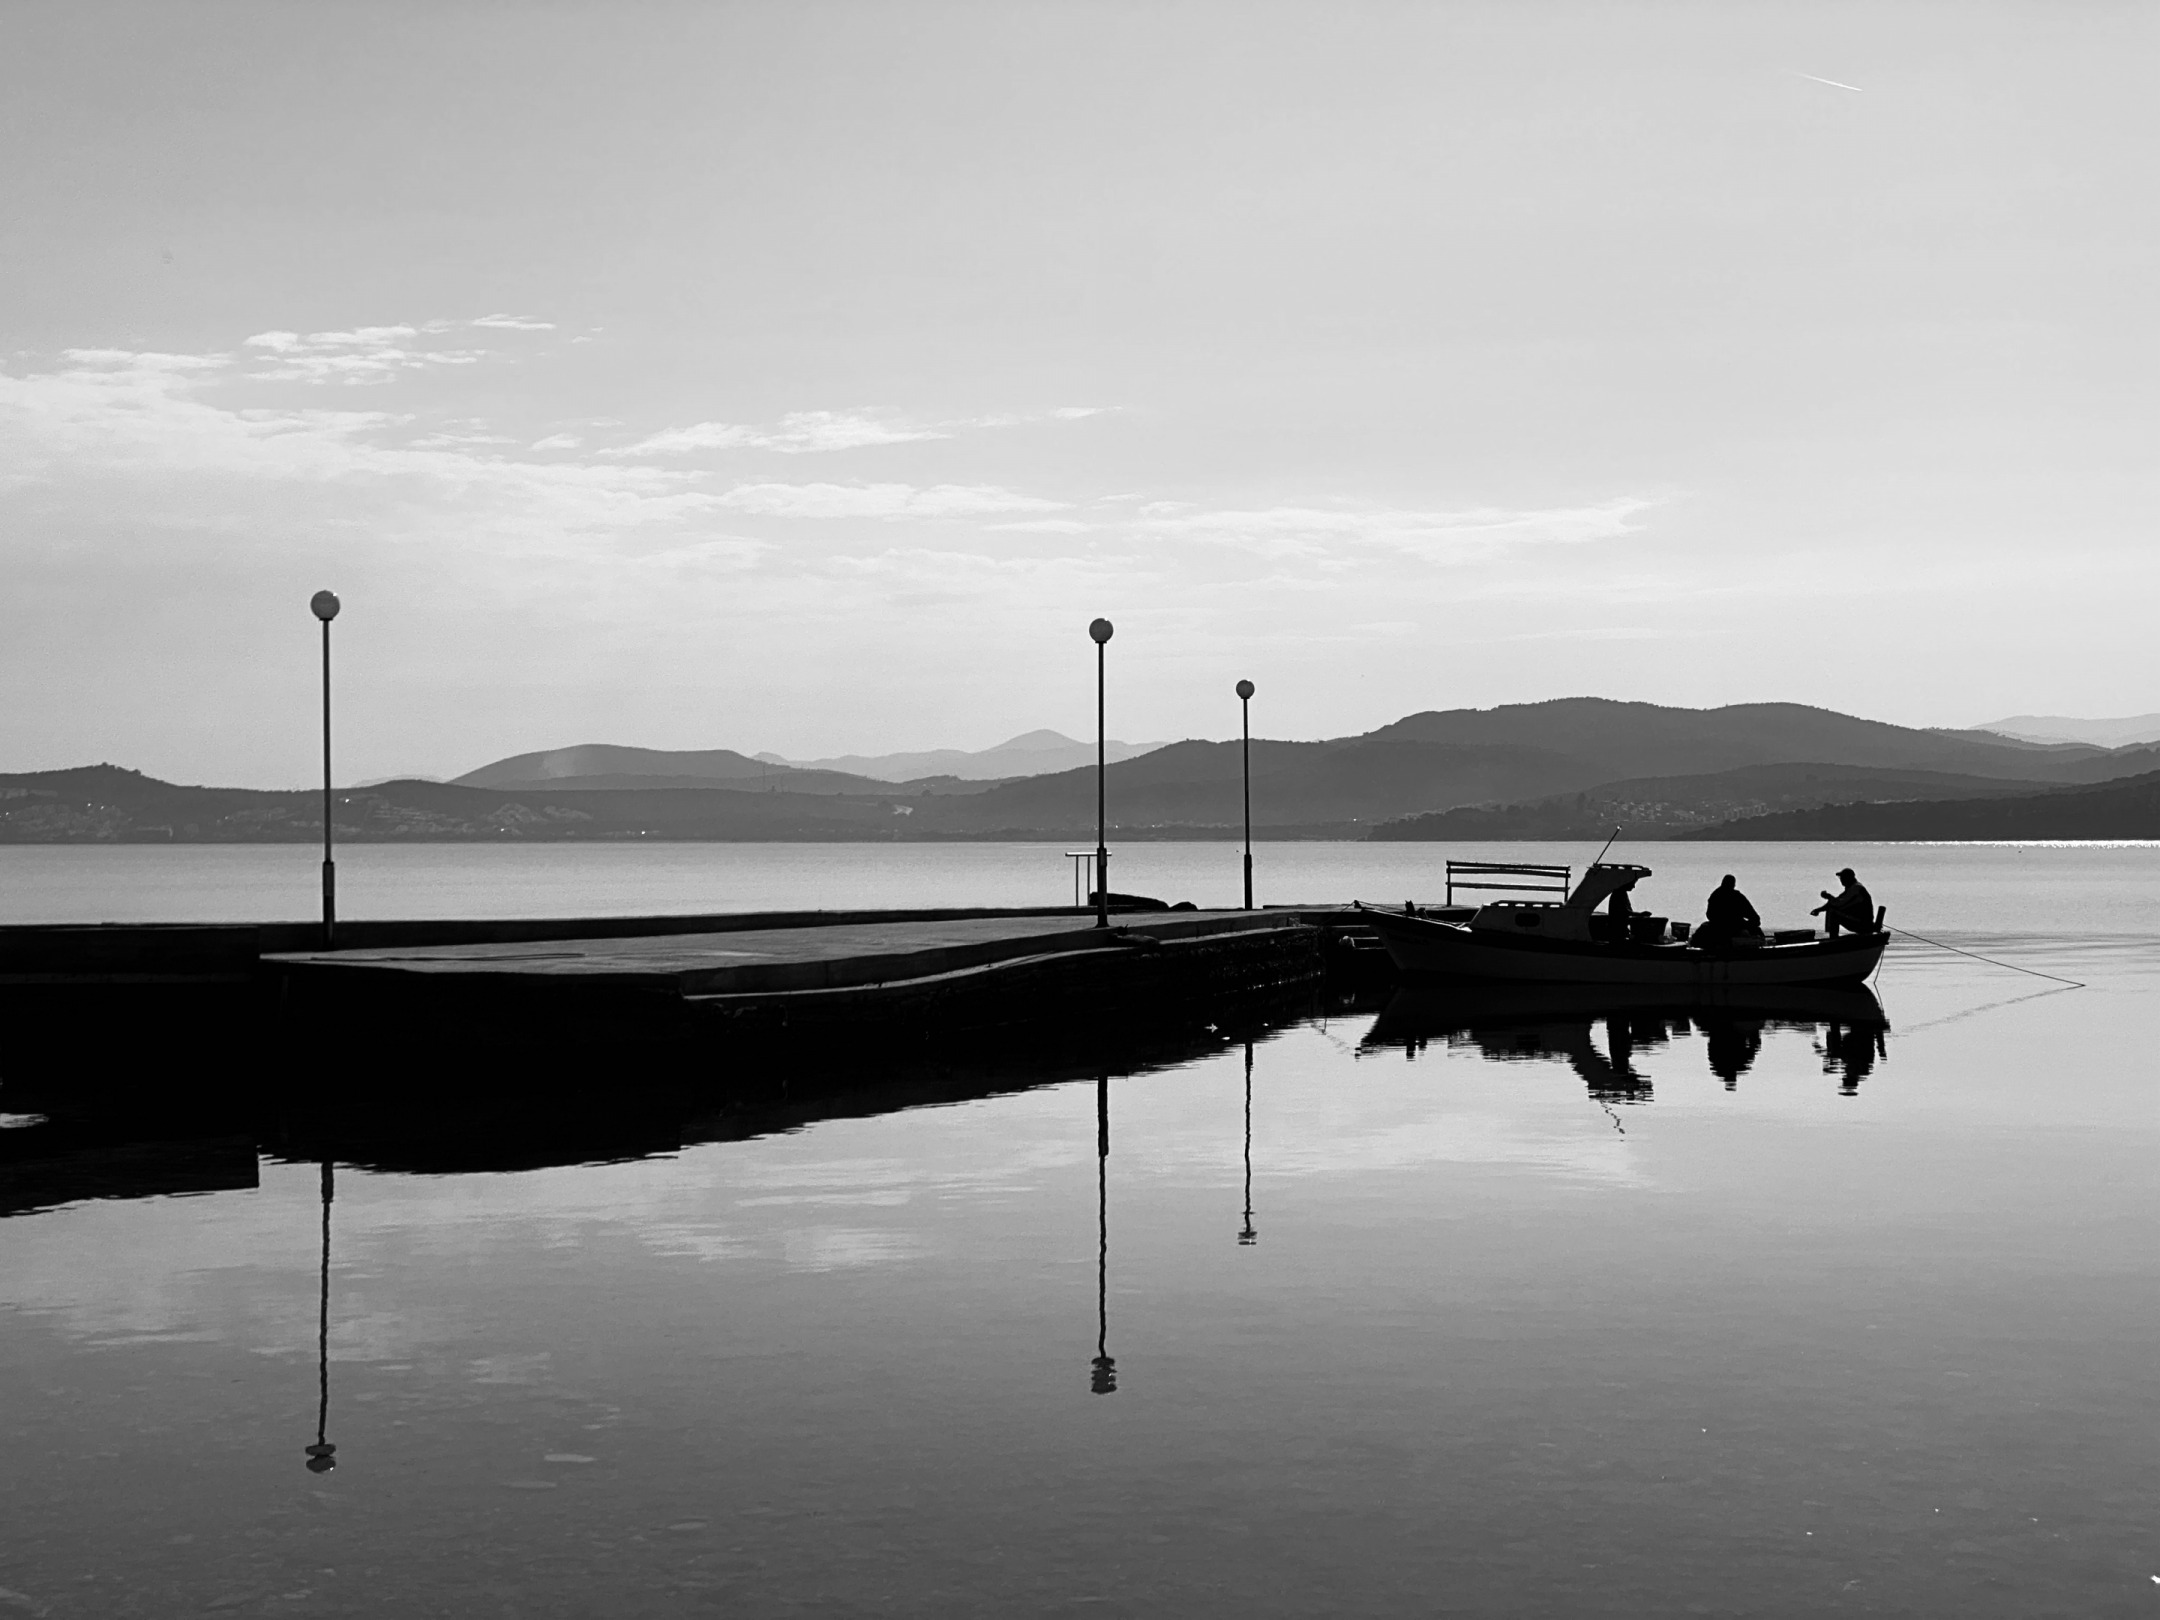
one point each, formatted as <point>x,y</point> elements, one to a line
<point>1032,753</point>
<point>1679,806</point>
<point>1568,768</point>
<point>605,765</point>
<point>2053,728</point>
<point>2129,808</point>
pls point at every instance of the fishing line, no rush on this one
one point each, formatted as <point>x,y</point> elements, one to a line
<point>1991,962</point>
<point>1973,1012</point>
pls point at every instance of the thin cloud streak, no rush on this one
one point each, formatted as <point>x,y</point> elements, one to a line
<point>814,432</point>
<point>879,500</point>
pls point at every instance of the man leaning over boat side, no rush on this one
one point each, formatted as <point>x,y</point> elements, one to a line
<point>1728,915</point>
<point>1852,908</point>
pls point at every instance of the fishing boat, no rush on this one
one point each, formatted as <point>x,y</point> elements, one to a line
<point>1522,940</point>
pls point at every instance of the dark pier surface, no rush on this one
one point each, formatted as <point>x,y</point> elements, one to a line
<point>721,983</point>
<point>158,1059</point>
<point>919,977</point>
<point>789,958</point>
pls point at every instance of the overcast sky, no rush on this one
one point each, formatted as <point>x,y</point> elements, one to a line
<point>805,377</point>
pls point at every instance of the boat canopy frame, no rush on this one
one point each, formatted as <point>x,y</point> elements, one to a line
<point>1482,875</point>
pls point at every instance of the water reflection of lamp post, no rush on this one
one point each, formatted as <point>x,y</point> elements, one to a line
<point>1248,1237</point>
<point>324,605</point>
<point>322,1455</point>
<point>1103,1378</point>
<point>1245,692</point>
<point>1101,631</point>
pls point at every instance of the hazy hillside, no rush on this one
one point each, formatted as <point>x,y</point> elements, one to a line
<point>2129,808</point>
<point>776,781</point>
<point>1198,784</point>
<point>1663,807</point>
<point>105,804</point>
<point>609,759</point>
<point>2056,728</point>
<point>1560,769</point>
<point>1628,740</point>
<point>1437,761</point>
<point>1032,753</point>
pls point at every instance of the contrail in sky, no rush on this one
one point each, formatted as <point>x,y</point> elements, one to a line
<point>1832,83</point>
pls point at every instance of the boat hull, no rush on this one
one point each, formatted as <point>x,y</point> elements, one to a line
<point>1425,948</point>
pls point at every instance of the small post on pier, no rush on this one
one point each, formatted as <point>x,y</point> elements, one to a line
<point>1101,631</point>
<point>1245,692</point>
<point>325,607</point>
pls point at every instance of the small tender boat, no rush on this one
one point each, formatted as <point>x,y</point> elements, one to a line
<point>1525,941</point>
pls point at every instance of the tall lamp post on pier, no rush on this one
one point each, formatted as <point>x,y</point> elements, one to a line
<point>1244,693</point>
<point>1101,631</point>
<point>324,604</point>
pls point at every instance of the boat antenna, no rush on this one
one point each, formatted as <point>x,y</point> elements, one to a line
<point>1608,845</point>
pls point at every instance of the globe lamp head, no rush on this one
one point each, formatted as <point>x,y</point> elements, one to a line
<point>325,605</point>
<point>1245,689</point>
<point>1100,630</point>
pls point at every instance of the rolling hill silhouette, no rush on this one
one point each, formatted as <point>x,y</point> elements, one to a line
<point>1551,769</point>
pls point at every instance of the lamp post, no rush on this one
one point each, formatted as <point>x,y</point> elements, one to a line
<point>1244,693</point>
<point>1101,631</point>
<point>325,607</point>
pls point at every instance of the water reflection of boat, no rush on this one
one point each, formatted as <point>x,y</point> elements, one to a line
<point>1566,941</point>
<point>1523,1023</point>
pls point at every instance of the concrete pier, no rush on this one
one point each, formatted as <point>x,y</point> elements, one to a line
<point>918,977</point>
<point>718,981</point>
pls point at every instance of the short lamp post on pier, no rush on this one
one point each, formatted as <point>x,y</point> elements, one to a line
<point>1101,630</point>
<point>325,607</point>
<point>1244,693</point>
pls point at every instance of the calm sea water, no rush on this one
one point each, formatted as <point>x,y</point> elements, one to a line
<point>1792,1322</point>
<point>2054,890</point>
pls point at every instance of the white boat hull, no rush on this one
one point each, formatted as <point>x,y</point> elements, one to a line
<point>1423,947</point>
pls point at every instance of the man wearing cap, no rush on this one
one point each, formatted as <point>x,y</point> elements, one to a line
<point>1852,908</point>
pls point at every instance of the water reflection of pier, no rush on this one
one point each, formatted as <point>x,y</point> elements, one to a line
<point>1102,1375</point>
<point>322,1455</point>
<point>1565,1023</point>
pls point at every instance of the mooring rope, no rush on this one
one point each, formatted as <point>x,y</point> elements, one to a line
<point>2074,984</point>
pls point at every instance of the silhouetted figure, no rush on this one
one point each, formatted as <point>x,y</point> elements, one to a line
<point>1852,1050</point>
<point>1727,915</point>
<point>1247,1236</point>
<point>322,1455</point>
<point>1608,1079</point>
<point>1620,1082</point>
<point>1852,908</point>
<point>1734,1044</point>
<point>1102,1377</point>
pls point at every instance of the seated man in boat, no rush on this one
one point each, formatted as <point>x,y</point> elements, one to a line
<point>1727,915</point>
<point>1852,908</point>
